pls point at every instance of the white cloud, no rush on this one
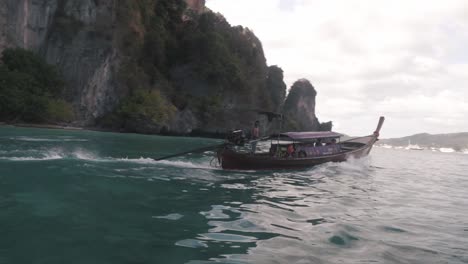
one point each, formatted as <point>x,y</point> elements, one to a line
<point>406,59</point>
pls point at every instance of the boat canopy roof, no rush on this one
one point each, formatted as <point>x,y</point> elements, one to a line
<point>303,136</point>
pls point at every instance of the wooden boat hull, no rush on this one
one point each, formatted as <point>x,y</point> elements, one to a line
<point>232,160</point>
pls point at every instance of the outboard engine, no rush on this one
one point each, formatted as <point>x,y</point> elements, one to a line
<point>236,137</point>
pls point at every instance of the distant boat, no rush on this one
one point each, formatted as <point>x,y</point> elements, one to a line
<point>295,150</point>
<point>413,147</point>
<point>386,146</point>
<point>416,147</point>
<point>446,150</point>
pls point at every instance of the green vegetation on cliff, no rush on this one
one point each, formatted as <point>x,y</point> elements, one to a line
<point>158,40</point>
<point>30,89</point>
<point>196,61</point>
<point>217,52</point>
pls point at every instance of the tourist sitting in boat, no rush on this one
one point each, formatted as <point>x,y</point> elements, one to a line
<point>282,150</point>
<point>291,150</point>
<point>318,143</point>
<point>273,149</point>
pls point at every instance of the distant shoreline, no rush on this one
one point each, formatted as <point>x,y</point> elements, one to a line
<point>45,126</point>
<point>195,133</point>
<point>49,126</point>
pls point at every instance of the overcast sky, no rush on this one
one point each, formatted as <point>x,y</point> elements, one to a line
<point>405,59</point>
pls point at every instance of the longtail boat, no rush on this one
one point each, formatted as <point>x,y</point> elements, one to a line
<point>294,150</point>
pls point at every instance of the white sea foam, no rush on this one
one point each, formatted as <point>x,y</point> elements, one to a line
<point>52,155</point>
<point>352,166</point>
<point>185,164</point>
<point>171,163</point>
<point>85,155</point>
<point>37,155</point>
<point>140,160</point>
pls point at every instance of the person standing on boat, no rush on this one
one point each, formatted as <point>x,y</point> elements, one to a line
<point>255,136</point>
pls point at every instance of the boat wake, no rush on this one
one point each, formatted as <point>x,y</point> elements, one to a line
<point>83,155</point>
<point>31,155</point>
<point>171,163</point>
<point>351,166</point>
<point>47,157</point>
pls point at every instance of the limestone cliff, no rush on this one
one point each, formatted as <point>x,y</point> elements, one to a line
<point>68,34</point>
<point>299,108</point>
<point>25,23</point>
<point>215,76</point>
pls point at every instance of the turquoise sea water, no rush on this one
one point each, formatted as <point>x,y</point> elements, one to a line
<point>90,197</point>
